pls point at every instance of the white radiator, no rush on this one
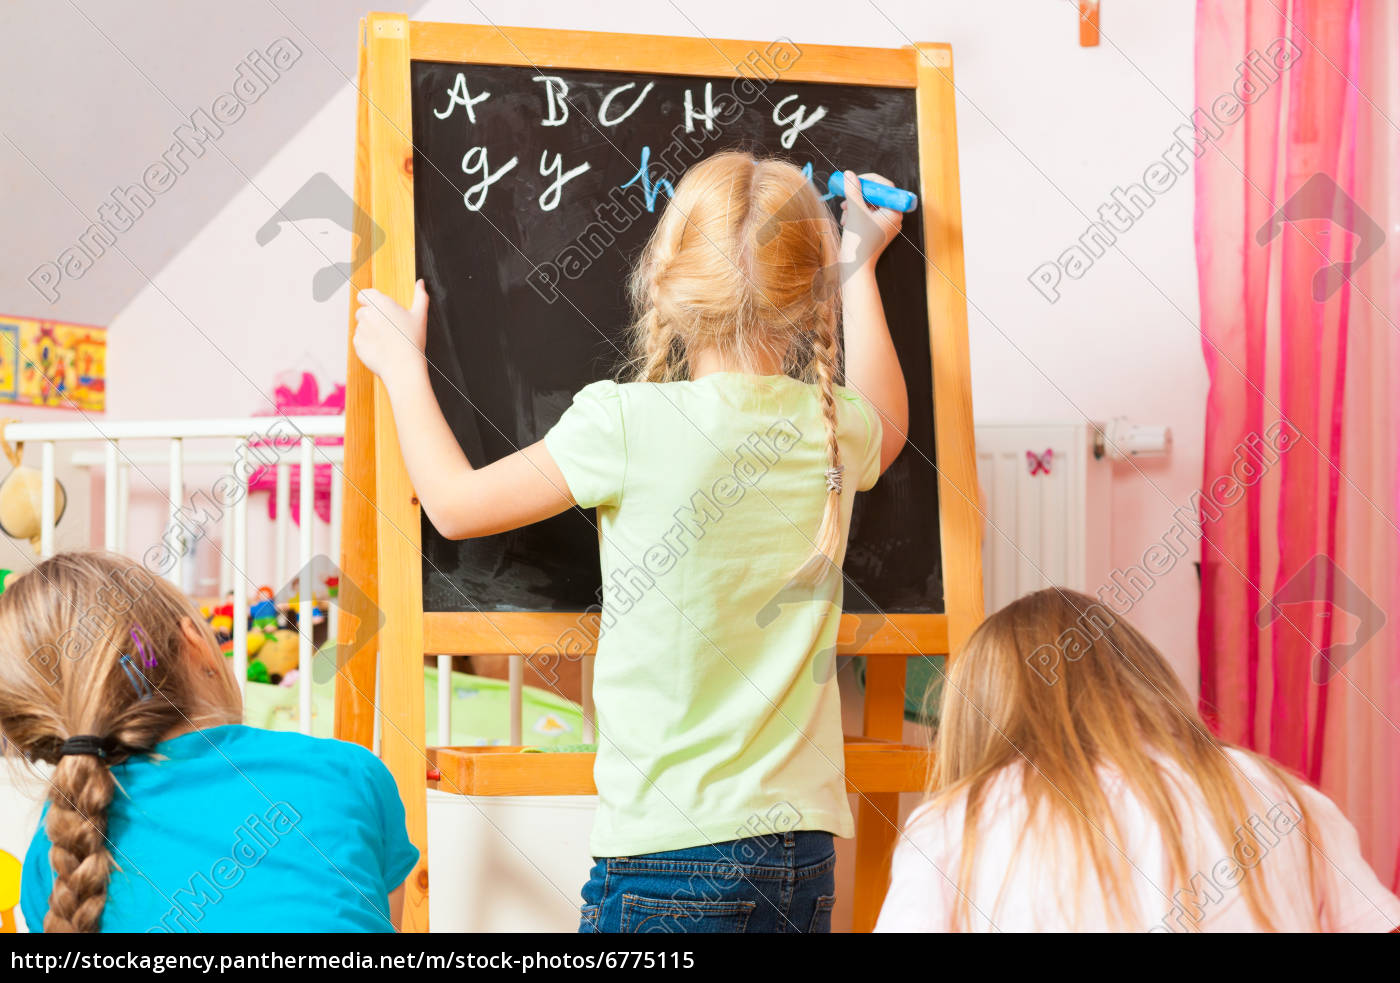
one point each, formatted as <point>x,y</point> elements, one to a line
<point>1046,503</point>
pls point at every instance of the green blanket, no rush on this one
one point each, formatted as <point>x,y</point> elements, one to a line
<point>480,711</point>
<point>923,687</point>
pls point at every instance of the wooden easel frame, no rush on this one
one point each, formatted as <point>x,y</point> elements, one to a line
<point>381,552</point>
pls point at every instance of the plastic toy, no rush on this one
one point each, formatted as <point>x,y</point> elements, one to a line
<point>221,619</point>
<point>264,613</point>
<point>256,640</point>
<point>318,613</point>
<point>9,892</point>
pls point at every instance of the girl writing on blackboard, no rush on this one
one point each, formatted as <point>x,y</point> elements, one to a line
<point>1076,788</point>
<point>723,476</point>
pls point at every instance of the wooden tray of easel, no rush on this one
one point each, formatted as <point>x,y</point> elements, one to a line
<point>873,767</point>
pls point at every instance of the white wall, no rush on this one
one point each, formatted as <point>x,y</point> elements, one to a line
<point>1046,131</point>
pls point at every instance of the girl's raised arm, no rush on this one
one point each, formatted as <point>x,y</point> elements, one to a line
<point>872,367</point>
<point>460,500</point>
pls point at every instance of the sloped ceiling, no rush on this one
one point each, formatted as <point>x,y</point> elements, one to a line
<point>93,95</point>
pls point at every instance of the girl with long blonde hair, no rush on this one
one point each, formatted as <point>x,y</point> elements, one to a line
<point>163,812</point>
<point>723,474</point>
<point>1075,787</point>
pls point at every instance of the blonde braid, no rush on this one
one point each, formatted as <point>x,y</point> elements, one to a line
<point>655,365</point>
<point>126,679</point>
<point>826,355</point>
<point>654,335</point>
<point>83,788</point>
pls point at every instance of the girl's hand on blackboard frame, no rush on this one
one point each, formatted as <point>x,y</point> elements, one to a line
<point>866,229</point>
<point>460,500</point>
<point>389,340</point>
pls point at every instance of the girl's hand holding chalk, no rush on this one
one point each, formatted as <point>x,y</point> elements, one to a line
<point>388,338</point>
<point>877,191</point>
<point>867,230</point>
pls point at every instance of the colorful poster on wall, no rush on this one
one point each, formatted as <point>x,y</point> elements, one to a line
<point>53,363</point>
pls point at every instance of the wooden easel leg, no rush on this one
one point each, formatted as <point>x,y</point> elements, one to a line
<point>354,681</point>
<point>397,531</point>
<point>877,815</point>
<point>877,824</point>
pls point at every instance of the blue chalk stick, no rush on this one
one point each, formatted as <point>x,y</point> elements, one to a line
<point>876,193</point>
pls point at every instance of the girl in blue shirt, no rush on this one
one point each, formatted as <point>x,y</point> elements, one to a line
<point>164,814</point>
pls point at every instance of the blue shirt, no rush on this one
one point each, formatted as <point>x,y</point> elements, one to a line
<point>237,829</point>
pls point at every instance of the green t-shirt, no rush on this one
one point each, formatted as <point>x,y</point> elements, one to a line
<point>718,712</point>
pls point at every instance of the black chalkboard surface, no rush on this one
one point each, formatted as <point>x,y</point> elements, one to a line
<point>527,279</point>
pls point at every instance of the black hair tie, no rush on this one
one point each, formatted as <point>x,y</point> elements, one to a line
<point>86,744</point>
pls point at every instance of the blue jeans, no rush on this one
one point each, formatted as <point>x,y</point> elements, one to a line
<point>782,882</point>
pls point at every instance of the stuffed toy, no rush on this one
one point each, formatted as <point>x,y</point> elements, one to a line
<point>279,655</point>
<point>21,496</point>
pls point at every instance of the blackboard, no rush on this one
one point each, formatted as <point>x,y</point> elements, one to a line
<point>517,325</point>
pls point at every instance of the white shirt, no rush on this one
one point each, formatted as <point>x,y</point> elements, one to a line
<point>1037,888</point>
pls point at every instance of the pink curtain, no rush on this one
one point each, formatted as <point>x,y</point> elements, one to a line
<point>1297,179</point>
